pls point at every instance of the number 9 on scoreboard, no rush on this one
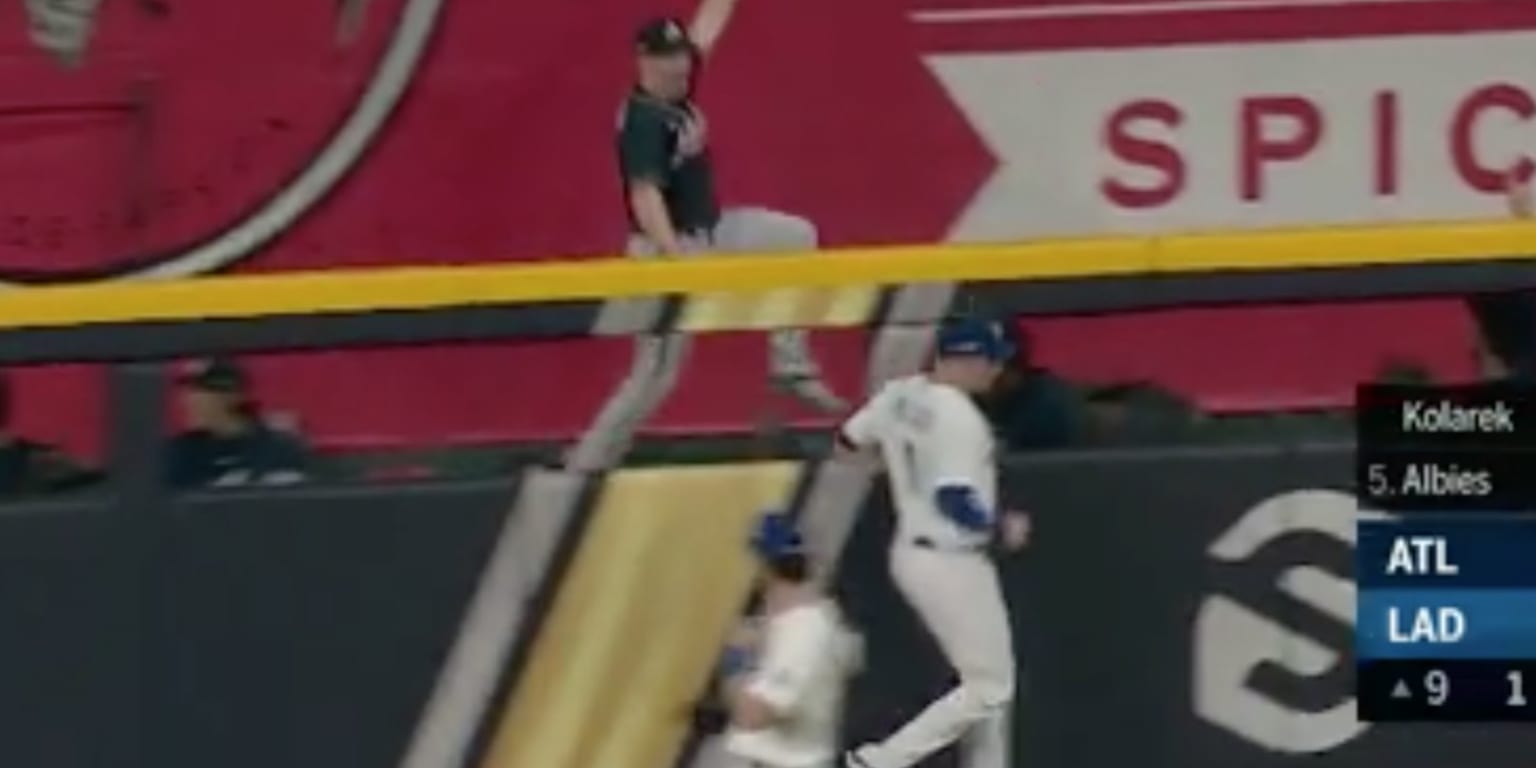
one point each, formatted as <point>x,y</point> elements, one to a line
<point>1459,690</point>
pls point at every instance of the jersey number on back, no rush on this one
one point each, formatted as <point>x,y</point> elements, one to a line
<point>909,454</point>
<point>917,419</point>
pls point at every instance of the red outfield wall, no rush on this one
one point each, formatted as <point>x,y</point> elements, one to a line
<point>915,121</point>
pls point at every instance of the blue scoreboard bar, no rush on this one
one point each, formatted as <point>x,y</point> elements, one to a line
<point>1445,624</point>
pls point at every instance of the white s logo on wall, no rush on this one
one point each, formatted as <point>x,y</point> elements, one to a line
<point>1231,639</point>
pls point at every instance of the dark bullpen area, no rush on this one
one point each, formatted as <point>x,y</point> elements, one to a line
<point>288,628</point>
<point>304,627</point>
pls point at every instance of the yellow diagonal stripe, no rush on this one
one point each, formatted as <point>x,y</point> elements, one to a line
<point>783,308</point>
<point>852,305</point>
<point>713,311</point>
<point>656,583</point>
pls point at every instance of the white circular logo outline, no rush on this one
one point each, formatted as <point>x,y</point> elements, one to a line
<point>394,73</point>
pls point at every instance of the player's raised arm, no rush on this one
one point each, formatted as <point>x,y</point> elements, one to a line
<point>709,23</point>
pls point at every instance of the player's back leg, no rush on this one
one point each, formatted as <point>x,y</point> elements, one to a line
<point>959,599</point>
<point>792,366</point>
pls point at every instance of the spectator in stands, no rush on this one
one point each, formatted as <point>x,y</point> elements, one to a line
<point>1138,413</point>
<point>1506,335</point>
<point>29,467</point>
<point>1031,407</point>
<point>1506,321</point>
<point>1401,372</point>
<point>229,441</point>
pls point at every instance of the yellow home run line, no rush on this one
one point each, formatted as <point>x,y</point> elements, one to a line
<point>422,288</point>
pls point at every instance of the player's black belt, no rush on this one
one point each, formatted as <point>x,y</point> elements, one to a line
<point>923,542</point>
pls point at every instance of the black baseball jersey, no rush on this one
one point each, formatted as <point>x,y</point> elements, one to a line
<point>665,142</point>
<point>201,459</point>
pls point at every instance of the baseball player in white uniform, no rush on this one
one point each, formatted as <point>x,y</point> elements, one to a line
<point>783,682</point>
<point>938,451</point>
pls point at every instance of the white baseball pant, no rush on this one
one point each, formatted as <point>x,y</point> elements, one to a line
<point>658,358</point>
<point>713,754</point>
<point>741,762</point>
<point>958,597</point>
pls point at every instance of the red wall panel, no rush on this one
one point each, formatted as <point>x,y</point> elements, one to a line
<point>178,126</point>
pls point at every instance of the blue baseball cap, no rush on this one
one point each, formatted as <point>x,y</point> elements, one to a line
<point>973,337</point>
<point>774,536</point>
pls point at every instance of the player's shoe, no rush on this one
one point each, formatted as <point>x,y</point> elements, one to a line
<point>792,369</point>
<point>812,391</point>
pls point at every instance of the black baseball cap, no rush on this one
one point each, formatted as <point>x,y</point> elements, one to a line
<point>663,36</point>
<point>215,374</point>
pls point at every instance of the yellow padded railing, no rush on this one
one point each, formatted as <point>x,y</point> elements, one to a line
<point>423,288</point>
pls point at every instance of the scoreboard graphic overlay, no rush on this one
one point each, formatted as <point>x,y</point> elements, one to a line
<point>1445,625</point>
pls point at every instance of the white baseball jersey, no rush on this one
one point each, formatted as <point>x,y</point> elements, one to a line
<point>930,435</point>
<point>806,659</point>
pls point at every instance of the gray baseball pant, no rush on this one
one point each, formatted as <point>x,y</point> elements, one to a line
<point>658,358</point>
